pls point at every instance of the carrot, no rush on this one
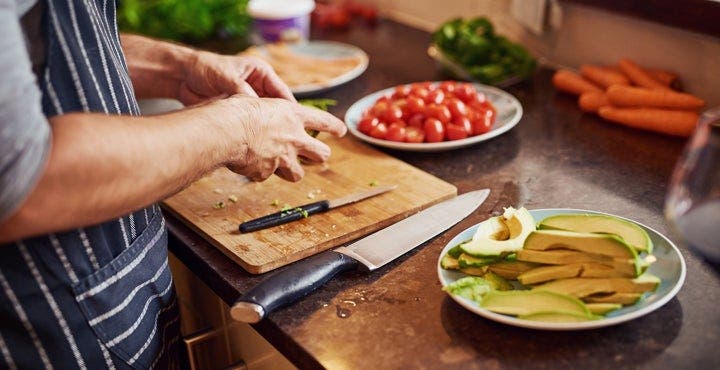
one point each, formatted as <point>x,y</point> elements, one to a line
<point>665,121</point>
<point>638,75</point>
<point>666,78</point>
<point>628,96</point>
<point>571,82</point>
<point>591,101</point>
<point>602,76</point>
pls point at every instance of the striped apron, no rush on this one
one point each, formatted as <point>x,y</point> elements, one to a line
<point>100,296</point>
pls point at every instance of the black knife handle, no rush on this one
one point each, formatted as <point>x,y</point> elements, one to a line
<point>282,217</point>
<point>287,286</point>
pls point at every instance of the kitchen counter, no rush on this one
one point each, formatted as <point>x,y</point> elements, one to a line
<point>557,157</point>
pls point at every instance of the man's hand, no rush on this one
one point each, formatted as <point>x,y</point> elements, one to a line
<point>210,75</point>
<point>274,137</point>
<point>160,69</point>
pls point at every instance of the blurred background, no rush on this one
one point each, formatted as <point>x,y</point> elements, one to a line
<point>567,33</point>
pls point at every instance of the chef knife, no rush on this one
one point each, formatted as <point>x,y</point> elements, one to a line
<point>292,214</point>
<point>372,252</point>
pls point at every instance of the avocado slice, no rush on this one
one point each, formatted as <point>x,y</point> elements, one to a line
<point>546,273</point>
<point>519,223</point>
<point>492,228</point>
<point>526,302</point>
<point>602,308</point>
<point>627,267</point>
<point>475,271</point>
<point>598,270</point>
<point>603,244</point>
<point>583,287</point>
<point>621,298</point>
<point>449,263</point>
<point>497,282</point>
<point>630,232</point>
<point>559,316</point>
<point>466,260</point>
<point>511,269</point>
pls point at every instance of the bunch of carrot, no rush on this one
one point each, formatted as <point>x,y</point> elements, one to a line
<point>634,96</point>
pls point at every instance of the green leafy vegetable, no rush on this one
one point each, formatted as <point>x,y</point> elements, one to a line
<point>185,20</point>
<point>470,287</point>
<point>486,56</point>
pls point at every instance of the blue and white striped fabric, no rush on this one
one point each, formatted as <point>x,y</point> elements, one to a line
<point>101,296</point>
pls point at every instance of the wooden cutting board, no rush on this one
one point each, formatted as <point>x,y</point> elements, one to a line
<point>353,167</point>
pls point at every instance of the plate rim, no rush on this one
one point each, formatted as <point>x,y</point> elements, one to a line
<point>306,89</point>
<point>441,146</point>
<point>509,320</point>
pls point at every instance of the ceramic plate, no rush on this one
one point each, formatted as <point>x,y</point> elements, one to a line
<point>509,112</point>
<point>328,50</point>
<point>669,267</point>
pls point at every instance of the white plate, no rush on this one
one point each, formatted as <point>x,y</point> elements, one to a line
<point>327,50</point>
<point>669,267</point>
<point>509,112</point>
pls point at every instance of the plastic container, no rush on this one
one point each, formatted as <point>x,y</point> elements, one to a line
<point>280,20</point>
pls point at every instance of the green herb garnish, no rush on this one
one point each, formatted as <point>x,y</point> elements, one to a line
<point>323,104</point>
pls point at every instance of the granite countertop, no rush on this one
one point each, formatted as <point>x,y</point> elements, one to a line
<point>557,157</point>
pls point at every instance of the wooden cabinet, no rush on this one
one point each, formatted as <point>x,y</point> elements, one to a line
<point>212,338</point>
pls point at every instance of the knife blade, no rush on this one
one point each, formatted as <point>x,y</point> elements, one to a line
<point>371,252</point>
<point>285,216</point>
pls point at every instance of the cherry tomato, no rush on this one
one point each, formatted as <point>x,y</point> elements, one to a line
<point>435,96</point>
<point>339,17</point>
<point>434,130</point>
<point>415,104</point>
<point>378,110</point>
<point>457,107</point>
<point>396,132</point>
<point>419,90</point>
<point>465,123</point>
<point>414,134</point>
<point>401,91</point>
<point>379,131</point>
<point>392,113</point>
<point>465,92</point>
<point>455,132</point>
<point>367,123</point>
<point>417,120</point>
<point>481,124</point>
<point>448,86</point>
<point>440,112</point>
<point>491,113</point>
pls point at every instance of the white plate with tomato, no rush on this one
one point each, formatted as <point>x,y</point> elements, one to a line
<point>433,116</point>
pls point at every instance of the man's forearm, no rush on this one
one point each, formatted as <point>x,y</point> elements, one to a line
<point>102,167</point>
<point>157,68</point>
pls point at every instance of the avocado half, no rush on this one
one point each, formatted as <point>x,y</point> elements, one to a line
<point>631,233</point>
<point>501,234</point>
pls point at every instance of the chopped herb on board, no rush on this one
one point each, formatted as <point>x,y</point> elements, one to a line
<point>219,205</point>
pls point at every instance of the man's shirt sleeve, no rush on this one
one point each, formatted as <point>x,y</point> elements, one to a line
<point>24,129</point>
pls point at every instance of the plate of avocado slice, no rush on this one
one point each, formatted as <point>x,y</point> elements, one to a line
<point>560,269</point>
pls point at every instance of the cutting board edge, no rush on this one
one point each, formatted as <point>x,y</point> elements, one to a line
<point>267,267</point>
